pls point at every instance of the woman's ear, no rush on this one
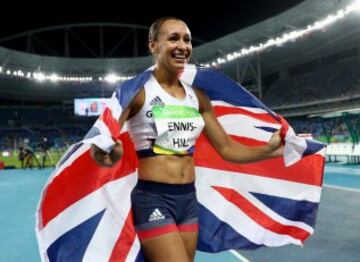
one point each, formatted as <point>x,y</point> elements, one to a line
<point>152,47</point>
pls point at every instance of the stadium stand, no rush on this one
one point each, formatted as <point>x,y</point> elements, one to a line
<point>340,80</point>
<point>315,74</point>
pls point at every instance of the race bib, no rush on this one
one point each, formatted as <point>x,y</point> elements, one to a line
<point>177,127</point>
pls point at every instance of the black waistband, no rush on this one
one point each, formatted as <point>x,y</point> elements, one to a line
<point>158,187</point>
<point>149,153</point>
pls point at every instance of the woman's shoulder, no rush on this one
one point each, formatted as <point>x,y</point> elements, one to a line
<point>137,102</point>
<point>200,93</point>
<point>204,101</point>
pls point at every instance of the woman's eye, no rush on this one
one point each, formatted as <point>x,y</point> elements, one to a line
<point>173,38</point>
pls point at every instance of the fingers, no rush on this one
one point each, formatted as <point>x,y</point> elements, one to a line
<point>99,155</point>
<point>277,132</point>
<point>107,159</point>
<point>275,140</point>
<point>278,152</point>
<point>116,152</point>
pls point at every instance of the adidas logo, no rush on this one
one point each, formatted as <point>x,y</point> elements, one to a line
<point>157,101</point>
<point>156,215</point>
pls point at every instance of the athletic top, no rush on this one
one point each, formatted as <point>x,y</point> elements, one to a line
<point>165,124</point>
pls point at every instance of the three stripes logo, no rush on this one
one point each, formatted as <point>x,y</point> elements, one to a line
<point>156,215</point>
<point>157,101</point>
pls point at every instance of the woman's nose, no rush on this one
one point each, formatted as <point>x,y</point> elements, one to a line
<point>181,45</point>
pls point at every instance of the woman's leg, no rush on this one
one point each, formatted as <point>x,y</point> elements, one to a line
<point>166,247</point>
<point>190,242</point>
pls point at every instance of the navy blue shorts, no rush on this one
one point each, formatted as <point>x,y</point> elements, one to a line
<point>160,208</point>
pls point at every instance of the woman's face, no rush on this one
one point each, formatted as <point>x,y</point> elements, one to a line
<point>173,48</point>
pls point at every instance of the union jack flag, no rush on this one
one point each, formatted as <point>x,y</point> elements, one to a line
<point>85,212</point>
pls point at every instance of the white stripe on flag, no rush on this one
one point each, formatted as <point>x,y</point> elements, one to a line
<point>258,184</point>
<point>270,213</point>
<point>89,206</point>
<point>104,238</point>
<point>237,184</point>
<point>134,251</point>
<point>104,140</point>
<point>115,107</point>
<point>255,110</point>
<point>245,126</point>
<point>112,222</point>
<point>189,74</point>
<point>294,147</point>
<point>237,219</point>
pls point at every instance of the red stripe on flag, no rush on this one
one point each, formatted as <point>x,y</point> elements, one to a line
<point>259,217</point>
<point>225,110</point>
<point>83,177</point>
<point>308,170</point>
<point>111,123</point>
<point>125,240</point>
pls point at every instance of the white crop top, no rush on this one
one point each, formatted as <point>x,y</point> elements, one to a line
<point>165,124</point>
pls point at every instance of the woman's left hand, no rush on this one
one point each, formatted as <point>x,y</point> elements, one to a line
<point>275,141</point>
<point>276,145</point>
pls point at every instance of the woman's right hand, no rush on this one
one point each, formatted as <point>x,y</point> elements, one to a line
<point>107,159</point>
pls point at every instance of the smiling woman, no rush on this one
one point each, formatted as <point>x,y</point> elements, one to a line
<point>164,120</point>
<point>170,43</point>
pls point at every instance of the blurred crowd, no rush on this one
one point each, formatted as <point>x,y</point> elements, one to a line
<point>325,82</point>
<point>334,129</point>
<point>58,137</point>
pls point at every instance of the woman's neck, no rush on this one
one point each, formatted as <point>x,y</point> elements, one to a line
<point>166,77</point>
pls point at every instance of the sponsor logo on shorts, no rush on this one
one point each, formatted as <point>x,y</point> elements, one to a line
<point>156,215</point>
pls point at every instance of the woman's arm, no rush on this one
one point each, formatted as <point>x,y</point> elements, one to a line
<point>109,159</point>
<point>229,149</point>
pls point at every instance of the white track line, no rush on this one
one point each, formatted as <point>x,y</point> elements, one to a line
<point>239,256</point>
<point>343,188</point>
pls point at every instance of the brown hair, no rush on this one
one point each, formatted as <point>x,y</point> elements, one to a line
<point>156,26</point>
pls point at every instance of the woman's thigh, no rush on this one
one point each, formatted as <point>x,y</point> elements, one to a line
<point>166,247</point>
<point>190,243</point>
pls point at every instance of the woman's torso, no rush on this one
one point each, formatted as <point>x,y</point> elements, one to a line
<point>168,168</point>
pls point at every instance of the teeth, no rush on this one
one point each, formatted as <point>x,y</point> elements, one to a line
<point>179,56</point>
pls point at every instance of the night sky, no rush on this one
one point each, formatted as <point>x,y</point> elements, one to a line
<point>218,20</point>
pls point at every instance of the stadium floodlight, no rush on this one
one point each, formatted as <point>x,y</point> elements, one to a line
<point>224,58</point>
<point>54,77</point>
<point>354,6</point>
<point>39,76</point>
<point>18,73</point>
<point>286,37</point>
<point>111,78</point>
